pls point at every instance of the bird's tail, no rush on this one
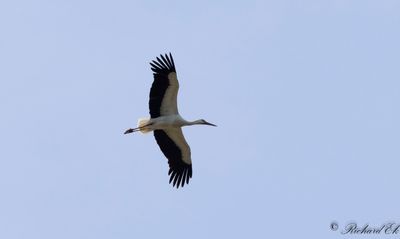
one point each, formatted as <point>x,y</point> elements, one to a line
<point>142,122</point>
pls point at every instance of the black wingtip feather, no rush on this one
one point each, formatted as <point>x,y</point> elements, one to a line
<point>166,62</point>
<point>153,66</point>
<point>172,60</point>
<point>179,180</point>
<point>172,177</point>
<point>184,177</point>
<point>180,176</point>
<point>163,65</point>
<point>159,66</point>
<point>175,179</point>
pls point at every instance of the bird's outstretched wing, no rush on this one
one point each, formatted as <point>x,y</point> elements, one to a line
<point>165,87</point>
<point>175,148</point>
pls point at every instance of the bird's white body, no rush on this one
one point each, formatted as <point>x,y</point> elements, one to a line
<point>166,122</point>
<point>163,122</point>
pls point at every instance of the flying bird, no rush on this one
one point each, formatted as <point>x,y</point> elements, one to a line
<point>165,121</point>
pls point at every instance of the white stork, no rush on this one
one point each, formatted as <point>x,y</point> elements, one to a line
<point>166,122</point>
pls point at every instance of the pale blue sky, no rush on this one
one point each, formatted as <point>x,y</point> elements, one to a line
<point>305,95</point>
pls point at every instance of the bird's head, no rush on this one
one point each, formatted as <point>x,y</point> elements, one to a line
<point>202,121</point>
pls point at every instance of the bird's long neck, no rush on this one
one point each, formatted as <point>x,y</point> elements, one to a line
<point>194,122</point>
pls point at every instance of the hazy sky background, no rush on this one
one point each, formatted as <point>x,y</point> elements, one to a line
<point>305,95</point>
